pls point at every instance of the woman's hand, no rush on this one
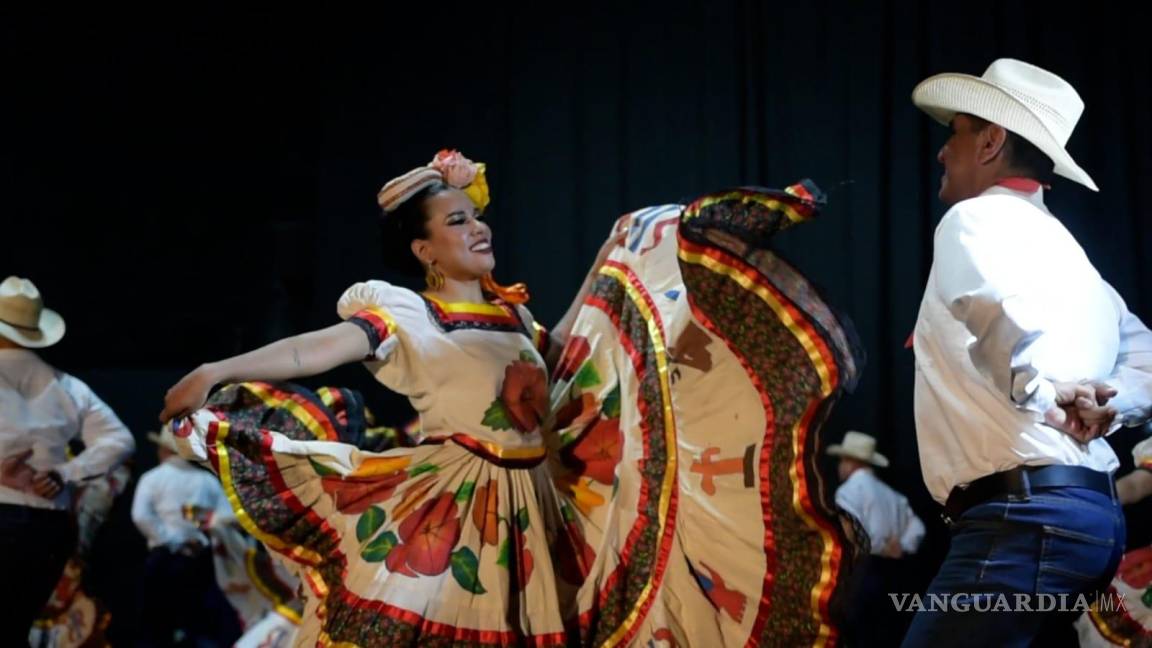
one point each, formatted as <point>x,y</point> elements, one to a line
<point>188,395</point>
<point>306,354</point>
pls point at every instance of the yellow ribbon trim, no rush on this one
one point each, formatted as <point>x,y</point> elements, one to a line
<point>305,556</point>
<point>326,396</point>
<point>781,312</point>
<point>389,321</point>
<point>771,203</point>
<point>325,640</point>
<point>303,415</point>
<point>824,371</point>
<point>1102,626</point>
<point>825,633</point>
<point>538,333</point>
<point>254,576</point>
<point>660,351</point>
<point>470,308</point>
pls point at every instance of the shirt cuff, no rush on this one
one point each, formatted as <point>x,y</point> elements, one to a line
<point>67,472</point>
<point>1041,399</point>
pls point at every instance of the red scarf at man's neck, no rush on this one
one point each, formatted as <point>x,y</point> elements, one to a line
<point>1024,185</point>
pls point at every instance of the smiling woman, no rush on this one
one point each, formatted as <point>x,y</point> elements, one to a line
<point>473,362</point>
<point>542,513</point>
<point>451,242</point>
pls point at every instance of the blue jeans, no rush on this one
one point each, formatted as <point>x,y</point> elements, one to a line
<point>1057,541</point>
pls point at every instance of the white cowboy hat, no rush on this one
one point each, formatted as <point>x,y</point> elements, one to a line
<point>1029,101</point>
<point>164,439</point>
<point>858,445</point>
<point>23,318</point>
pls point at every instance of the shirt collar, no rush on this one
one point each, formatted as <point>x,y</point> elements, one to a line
<point>1023,185</point>
<point>1024,188</point>
<point>860,473</point>
<point>178,461</point>
<point>15,354</point>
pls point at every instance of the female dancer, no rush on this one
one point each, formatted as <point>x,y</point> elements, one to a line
<point>661,489</point>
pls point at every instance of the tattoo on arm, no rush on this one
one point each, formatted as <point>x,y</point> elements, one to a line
<point>296,356</point>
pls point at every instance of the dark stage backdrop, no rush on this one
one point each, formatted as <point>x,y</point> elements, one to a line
<point>183,187</point>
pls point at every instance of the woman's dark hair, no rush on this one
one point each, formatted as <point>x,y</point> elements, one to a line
<point>401,226</point>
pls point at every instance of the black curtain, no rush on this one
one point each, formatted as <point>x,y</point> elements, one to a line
<point>183,187</point>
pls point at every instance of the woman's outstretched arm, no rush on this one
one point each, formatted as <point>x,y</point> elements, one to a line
<point>301,355</point>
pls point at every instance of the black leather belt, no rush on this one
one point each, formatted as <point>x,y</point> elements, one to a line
<point>1020,482</point>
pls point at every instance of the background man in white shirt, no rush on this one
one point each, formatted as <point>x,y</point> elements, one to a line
<point>894,531</point>
<point>42,410</point>
<point>174,504</point>
<point>1012,316</point>
<point>892,526</point>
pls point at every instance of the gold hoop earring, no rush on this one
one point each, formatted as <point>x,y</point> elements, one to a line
<point>433,278</point>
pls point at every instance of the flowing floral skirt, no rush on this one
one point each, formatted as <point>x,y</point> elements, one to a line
<point>680,503</point>
<point>431,545</point>
<point>689,404</point>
